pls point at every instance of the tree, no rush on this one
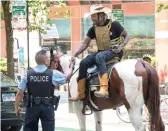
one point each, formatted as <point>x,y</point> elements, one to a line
<point>9,37</point>
<point>162,6</point>
<point>38,10</point>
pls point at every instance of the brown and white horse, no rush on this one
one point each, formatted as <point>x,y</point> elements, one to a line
<point>132,83</point>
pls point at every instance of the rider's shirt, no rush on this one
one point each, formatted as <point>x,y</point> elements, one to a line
<point>57,77</point>
<point>106,36</point>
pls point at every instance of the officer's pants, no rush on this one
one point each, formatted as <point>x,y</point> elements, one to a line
<point>99,59</point>
<point>42,112</point>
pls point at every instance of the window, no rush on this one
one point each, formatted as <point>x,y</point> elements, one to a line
<point>84,2</point>
<point>94,2</point>
<point>117,6</point>
<point>105,1</point>
<point>125,1</point>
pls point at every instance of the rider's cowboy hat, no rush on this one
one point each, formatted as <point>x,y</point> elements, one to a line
<point>94,9</point>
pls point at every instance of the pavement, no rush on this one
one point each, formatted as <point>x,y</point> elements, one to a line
<point>65,121</point>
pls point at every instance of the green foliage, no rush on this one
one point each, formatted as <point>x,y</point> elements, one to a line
<point>162,6</point>
<point>62,4</point>
<point>3,64</point>
<point>38,15</point>
<point>144,43</point>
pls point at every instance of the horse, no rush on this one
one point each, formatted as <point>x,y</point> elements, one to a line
<point>132,83</point>
<point>77,106</point>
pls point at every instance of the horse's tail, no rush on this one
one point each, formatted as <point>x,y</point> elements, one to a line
<point>153,99</point>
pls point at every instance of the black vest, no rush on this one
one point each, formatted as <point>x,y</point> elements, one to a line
<point>40,84</point>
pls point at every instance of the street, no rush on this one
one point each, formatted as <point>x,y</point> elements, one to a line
<point>65,121</point>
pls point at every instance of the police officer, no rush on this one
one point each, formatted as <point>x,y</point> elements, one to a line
<point>40,83</point>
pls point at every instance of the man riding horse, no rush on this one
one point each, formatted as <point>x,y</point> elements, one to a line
<point>110,39</point>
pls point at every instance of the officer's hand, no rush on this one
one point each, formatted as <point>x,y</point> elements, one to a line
<point>17,111</point>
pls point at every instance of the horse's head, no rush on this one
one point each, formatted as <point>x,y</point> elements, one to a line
<point>65,61</point>
<point>55,63</point>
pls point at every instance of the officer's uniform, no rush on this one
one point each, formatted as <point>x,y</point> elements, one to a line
<point>40,83</point>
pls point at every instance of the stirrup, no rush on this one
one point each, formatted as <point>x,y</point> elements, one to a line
<point>75,99</point>
<point>100,95</point>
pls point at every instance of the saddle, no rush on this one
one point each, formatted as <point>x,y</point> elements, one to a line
<point>92,84</point>
<point>92,72</point>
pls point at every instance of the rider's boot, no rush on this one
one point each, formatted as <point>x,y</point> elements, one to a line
<point>81,90</point>
<point>103,92</point>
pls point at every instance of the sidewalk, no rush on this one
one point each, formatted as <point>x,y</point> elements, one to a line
<point>68,122</point>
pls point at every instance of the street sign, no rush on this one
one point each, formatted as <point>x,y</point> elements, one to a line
<point>19,10</point>
<point>19,15</point>
<point>117,15</point>
<point>19,23</point>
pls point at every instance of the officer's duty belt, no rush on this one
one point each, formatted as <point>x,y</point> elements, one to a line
<point>41,100</point>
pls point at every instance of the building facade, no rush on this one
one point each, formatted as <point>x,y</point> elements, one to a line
<point>139,21</point>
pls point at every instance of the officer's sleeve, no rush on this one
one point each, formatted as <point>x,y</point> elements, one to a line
<point>23,83</point>
<point>58,78</point>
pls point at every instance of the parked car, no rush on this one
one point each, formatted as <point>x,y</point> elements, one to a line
<point>9,120</point>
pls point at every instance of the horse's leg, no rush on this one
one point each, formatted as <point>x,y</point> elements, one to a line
<point>98,120</point>
<point>135,111</point>
<point>78,106</point>
<point>136,118</point>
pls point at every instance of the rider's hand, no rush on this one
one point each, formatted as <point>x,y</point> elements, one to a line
<point>73,59</point>
<point>72,62</point>
<point>117,49</point>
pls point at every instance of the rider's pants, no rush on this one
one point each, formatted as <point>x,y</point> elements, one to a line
<point>99,59</point>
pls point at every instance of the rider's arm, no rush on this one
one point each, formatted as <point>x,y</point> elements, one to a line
<point>83,47</point>
<point>121,32</point>
<point>126,38</point>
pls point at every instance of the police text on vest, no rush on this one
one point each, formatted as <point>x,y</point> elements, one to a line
<point>39,78</point>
